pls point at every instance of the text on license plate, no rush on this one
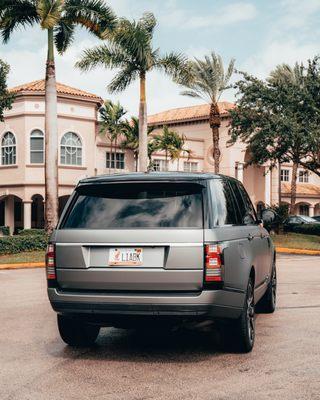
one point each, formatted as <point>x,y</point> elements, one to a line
<point>125,256</point>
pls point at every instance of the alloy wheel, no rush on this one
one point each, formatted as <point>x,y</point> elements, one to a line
<point>250,314</point>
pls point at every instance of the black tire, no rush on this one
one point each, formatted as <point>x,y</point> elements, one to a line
<point>267,304</point>
<point>245,326</point>
<point>77,333</point>
<point>239,335</point>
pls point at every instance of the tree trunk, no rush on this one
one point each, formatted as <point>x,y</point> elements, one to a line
<point>143,136</point>
<point>279,184</point>
<point>215,122</point>
<point>115,153</point>
<point>51,142</point>
<point>110,163</point>
<point>135,155</point>
<point>293,193</point>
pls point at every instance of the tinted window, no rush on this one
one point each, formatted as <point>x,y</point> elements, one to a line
<point>221,204</point>
<point>137,205</point>
<point>245,207</point>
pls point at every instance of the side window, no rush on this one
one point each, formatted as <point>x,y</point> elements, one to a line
<point>245,207</point>
<point>221,205</point>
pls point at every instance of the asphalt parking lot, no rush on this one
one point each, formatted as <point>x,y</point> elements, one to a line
<point>187,364</point>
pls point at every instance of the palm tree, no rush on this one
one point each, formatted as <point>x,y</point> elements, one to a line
<point>112,125</point>
<point>209,82</point>
<point>131,141</point>
<point>171,143</point>
<point>59,18</point>
<point>129,49</point>
<point>177,149</point>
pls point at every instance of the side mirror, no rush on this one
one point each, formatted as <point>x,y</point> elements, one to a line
<point>268,216</point>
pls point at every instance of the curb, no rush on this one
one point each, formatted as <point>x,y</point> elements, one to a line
<point>22,266</point>
<point>306,252</point>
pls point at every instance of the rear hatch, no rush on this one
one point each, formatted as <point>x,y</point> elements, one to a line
<point>132,236</point>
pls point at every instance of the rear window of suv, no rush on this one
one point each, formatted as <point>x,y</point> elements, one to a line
<point>136,205</point>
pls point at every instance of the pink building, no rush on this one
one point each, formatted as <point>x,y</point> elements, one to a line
<point>84,152</point>
<point>261,183</point>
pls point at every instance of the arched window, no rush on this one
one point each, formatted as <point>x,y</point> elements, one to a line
<point>71,149</point>
<point>8,149</point>
<point>36,147</point>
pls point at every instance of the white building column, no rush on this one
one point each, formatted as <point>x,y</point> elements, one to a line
<point>267,187</point>
<point>9,213</point>
<point>239,167</point>
<point>27,214</point>
<point>311,210</point>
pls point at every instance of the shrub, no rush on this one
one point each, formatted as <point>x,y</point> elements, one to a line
<point>307,229</point>
<point>19,243</point>
<point>28,232</point>
<point>5,230</point>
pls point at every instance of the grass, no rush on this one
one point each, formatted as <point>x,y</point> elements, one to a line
<point>23,257</point>
<point>297,241</point>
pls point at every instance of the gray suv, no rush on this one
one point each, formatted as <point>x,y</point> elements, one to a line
<point>136,249</point>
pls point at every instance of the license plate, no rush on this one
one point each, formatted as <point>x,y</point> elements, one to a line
<point>125,256</point>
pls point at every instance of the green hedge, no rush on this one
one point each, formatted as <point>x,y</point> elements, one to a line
<point>28,232</point>
<point>5,230</point>
<point>19,243</point>
<point>307,229</point>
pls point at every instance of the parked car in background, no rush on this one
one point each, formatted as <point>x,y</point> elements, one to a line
<point>157,248</point>
<point>317,218</point>
<point>299,220</point>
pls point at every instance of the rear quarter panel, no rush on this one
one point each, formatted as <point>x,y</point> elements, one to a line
<point>237,254</point>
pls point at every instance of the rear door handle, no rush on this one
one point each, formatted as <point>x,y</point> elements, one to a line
<point>250,237</point>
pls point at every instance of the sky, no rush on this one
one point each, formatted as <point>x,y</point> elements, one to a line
<point>259,34</point>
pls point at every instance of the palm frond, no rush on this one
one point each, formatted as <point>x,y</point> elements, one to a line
<point>50,12</point>
<point>284,73</point>
<point>109,56</point>
<point>64,35</point>
<point>94,15</point>
<point>16,13</point>
<point>136,40</point>
<point>112,122</point>
<point>209,78</point>
<point>123,79</point>
<point>148,22</point>
<point>177,66</point>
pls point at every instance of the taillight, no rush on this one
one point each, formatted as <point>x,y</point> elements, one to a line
<point>213,263</point>
<point>51,262</point>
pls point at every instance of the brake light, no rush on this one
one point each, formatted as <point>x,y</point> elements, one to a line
<point>51,262</point>
<point>213,263</point>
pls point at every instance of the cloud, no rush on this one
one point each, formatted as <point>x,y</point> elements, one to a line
<point>230,14</point>
<point>278,52</point>
<point>296,12</point>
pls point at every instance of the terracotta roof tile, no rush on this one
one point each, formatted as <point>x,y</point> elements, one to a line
<point>188,113</point>
<point>38,86</point>
<point>302,189</point>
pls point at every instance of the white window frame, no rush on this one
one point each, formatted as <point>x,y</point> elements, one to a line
<point>160,165</point>
<point>72,149</point>
<point>303,176</point>
<point>33,136</point>
<point>285,175</point>
<point>9,149</point>
<point>190,166</point>
<point>117,163</point>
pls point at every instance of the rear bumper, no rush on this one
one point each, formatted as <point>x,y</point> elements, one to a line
<point>209,303</point>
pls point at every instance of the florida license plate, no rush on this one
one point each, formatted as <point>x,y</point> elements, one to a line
<point>125,256</point>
